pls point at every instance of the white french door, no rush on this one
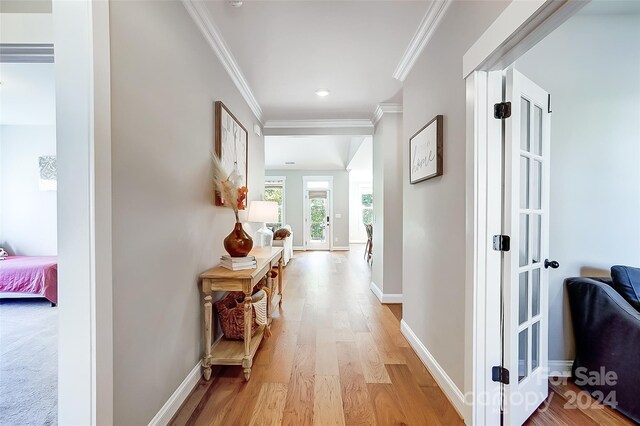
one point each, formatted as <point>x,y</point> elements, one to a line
<point>526,221</point>
<point>318,219</point>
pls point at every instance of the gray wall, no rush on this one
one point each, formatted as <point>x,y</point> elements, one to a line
<point>166,230</point>
<point>591,67</point>
<point>294,206</point>
<point>434,210</point>
<point>386,271</point>
<point>27,215</point>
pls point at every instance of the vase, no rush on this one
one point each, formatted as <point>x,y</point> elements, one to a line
<point>238,243</point>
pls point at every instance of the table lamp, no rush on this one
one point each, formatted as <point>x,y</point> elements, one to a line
<point>263,212</point>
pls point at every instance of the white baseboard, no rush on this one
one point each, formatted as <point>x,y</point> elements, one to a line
<point>170,408</point>
<point>340,249</point>
<point>358,242</point>
<point>560,367</point>
<point>453,393</point>
<point>299,248</point>
<point>384,298</point>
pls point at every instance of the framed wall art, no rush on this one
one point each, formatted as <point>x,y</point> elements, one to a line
<point>425,152</point>
<point>231,145</point>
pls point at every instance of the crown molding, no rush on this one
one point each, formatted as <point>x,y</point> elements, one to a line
<point>421,38</point>
<point>385,108</point>
<point>318,124</point>
<point>200,16</point>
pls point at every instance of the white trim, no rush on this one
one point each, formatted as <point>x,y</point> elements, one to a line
<point>202,18</point>
<point>421,38</point>
<point>452,392</point>
<point>560,368</point>
<point>299,248</point>
<point>340,248</point>
<point>385,108</point>
<point>357,241</point>
<point>384,298</point>
<point>170,408</point>
<point>83,132</point>
<point>318,124</point>
<point>376,290</point>
<point>518,28</point>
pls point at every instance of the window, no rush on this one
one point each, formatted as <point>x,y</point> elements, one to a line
<point>367,206</point>
<point>274,191</point>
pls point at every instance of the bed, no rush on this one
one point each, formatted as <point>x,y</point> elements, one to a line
<point>30,276</point>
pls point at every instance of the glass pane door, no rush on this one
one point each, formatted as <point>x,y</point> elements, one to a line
<point>317,220</point>
<point>526,211</point>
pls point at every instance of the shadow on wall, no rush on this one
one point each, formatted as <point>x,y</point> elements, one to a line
<point>590,271</point>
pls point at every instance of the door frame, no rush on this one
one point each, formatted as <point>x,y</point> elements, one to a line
<point>305,208</point>
<point>520,26</point>
<point>83,133</point>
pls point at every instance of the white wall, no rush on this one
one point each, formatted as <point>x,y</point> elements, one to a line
<point>433,266</point>
<point>294,213</point>
<point>386,271</point>
<point>360,176</point>
<point>28,215</point>
<point>591,67</point>
<point>166,229</point>
<point>357,231</point>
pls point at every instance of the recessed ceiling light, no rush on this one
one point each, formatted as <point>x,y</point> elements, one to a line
<point>235,3</point>
<point>290,162</point>
<point>323,92</point>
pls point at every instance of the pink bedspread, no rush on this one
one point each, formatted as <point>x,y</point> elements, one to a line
<point>32,275</point>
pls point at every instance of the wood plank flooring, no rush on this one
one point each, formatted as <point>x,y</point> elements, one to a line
<point>336,357</point>
<point>560,408</point>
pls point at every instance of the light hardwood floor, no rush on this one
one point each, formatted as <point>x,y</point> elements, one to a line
<point>562,408</point>
<point>337,357</point>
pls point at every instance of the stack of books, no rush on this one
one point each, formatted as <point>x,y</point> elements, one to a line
<point>238,263</point>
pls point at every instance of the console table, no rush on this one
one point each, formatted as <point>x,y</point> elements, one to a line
<point>238,352</point>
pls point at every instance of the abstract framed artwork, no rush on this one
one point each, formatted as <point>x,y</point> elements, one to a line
<point>425,151</point>
<point>48,177</point>
<point>231,145</point>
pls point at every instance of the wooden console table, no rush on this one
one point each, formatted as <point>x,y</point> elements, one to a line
<point>238,352</point>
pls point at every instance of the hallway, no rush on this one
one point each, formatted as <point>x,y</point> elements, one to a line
<point>336,356</point>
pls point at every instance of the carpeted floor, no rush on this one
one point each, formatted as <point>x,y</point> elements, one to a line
<point>28,362</point>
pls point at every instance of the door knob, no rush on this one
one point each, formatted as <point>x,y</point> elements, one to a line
<point>551,264</point>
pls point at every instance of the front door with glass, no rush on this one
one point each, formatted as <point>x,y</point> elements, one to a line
<point>317,220</point>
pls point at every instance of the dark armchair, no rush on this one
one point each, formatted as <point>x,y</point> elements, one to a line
<point>607,337</point>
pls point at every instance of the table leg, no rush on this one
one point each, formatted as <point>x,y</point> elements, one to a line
<point>248,321</point>
<point>208,314</point>
<point>280,275</point>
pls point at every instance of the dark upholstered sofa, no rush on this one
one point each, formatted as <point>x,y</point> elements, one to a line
<point>607,336</point>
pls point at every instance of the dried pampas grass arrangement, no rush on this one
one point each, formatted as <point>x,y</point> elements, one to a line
<point>228,186</point>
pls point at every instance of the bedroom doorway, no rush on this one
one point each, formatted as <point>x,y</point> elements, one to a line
<point>28,225</point>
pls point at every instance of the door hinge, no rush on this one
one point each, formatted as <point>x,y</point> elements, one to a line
<point>502,110</point>
<point>500,374</point>
<point>501,243</point>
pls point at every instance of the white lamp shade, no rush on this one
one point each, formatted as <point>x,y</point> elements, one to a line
<point>263,211</point>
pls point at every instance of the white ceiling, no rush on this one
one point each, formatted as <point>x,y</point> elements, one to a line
<point>326,152</point>
<point>27,94</point>
<point>288,49</point>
